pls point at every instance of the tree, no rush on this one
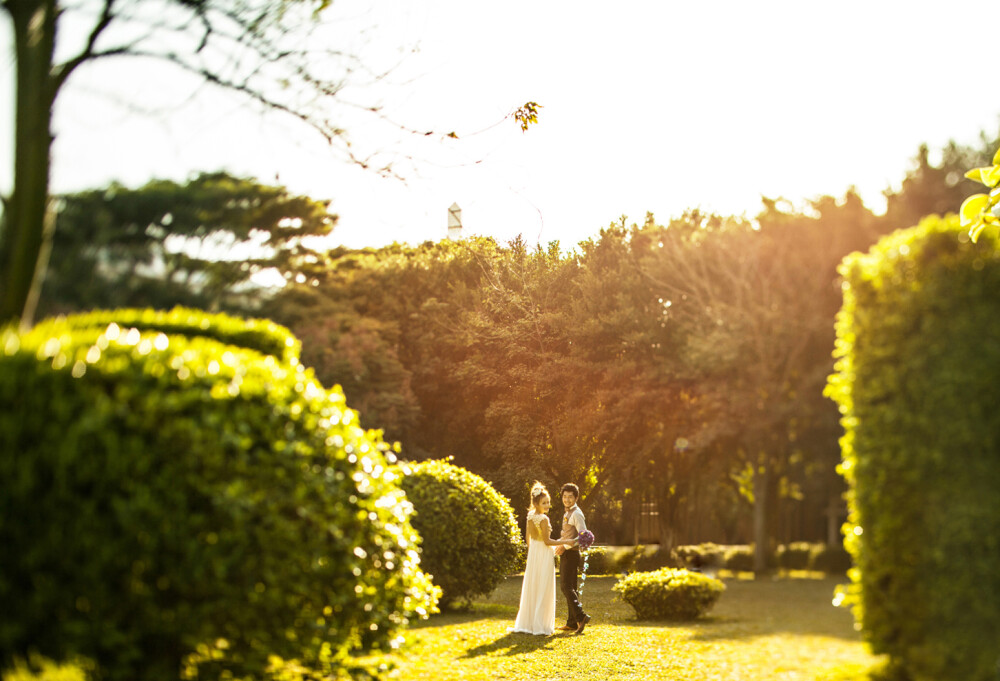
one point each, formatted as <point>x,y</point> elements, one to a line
<point>198,244</point>
<point>395,311</point>
<point>358,353</point>
<point>758,300</point>
<point>256,49</point>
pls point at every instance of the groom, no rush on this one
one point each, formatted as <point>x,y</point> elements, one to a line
<point>573,525</point>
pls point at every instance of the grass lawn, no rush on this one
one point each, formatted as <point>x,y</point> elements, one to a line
<point>778,630</point>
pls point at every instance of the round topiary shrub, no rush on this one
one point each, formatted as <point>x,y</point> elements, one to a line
<point>469,534</point>
<point>669,593</point>
<point>174,505</point>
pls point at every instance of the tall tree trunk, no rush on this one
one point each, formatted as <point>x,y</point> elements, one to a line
<point>24,232</point>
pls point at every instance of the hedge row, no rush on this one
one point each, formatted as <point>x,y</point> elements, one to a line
<point>916,382</point>
<point>737,558</point>
<point>174,504</point>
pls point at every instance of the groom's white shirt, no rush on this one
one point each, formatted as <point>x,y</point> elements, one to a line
<point>573,518</point>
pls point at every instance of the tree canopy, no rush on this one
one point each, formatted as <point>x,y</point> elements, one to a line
<point>678,363</point>
<point>199,244</point>
<point>260,49</point>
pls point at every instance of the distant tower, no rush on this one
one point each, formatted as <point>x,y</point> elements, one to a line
<point>454,222</point>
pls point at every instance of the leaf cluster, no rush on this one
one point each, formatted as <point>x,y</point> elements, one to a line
<point>669,593</point>
<point>176,503</point>
<point>916,388</point>
<point>980,211</point>
<point>636,365</point>
<point>470,538</point>
<point>198,244</point>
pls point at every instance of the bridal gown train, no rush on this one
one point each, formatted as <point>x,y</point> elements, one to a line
<point>537,611</point>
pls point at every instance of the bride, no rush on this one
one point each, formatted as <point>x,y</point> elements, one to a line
<point>537,612</point>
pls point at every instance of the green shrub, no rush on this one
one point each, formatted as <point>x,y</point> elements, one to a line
<point>702,556</point>
<point>470,535</point>
<point>655,559</point>
<point>609,560</point>
<point>170,501</point>
<point>669,593</point>
<point>42,669</point>
<point>596,561</point>
<point>262,335</point>
<point>521,562</point>
<point>739,558</point>
<point>916,384</point>
<point>795,556</point>
<point>833,560</point>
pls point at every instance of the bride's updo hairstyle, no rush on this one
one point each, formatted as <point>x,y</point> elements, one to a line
<point>537,492</point>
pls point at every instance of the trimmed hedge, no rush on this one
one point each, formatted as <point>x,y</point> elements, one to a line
<point>170,504</point>
<point>705,556</point>
<point>609,560</point>
<point>470,535</point>
<point>833,560</point>
<point>669,593</point>
<point>795,556</point>
<point>653,558</point>
<point>916,382</point>
<point>262,335</point>
<point>740,557</point>
<point>612,560</point>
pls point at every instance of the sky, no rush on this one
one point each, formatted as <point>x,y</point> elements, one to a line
<point>646,106</point>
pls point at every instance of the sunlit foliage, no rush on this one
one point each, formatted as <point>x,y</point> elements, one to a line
<point>916,387</point>
<point>980,211</point>
<point>174,501</point>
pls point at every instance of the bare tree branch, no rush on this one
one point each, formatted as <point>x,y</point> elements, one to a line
<point>63,71</point>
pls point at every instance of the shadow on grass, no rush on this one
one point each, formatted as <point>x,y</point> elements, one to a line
<point>747,609</point>
<point>711,629</point>
<point>511,644</point>
<point>477,611</point>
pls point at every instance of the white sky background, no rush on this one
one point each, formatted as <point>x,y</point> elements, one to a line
<point>648,106</point>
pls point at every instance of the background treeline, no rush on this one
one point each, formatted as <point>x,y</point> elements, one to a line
<point>679,364</point>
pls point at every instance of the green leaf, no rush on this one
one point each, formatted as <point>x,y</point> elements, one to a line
<point>972,207</point>
<point>977,174</point>
<point>992,176</point>
<point>976,230</point>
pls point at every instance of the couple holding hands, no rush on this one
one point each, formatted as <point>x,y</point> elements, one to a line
<point>537,611</point>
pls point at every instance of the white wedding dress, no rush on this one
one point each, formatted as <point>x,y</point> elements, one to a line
<point>537,611</point>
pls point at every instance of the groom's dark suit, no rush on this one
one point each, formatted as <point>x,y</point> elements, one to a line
<point>569,566</point>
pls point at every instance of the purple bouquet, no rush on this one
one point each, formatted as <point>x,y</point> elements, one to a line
<point>585,540</point>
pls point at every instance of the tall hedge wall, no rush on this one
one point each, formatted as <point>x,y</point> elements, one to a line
<point>172,503</point>
<point>918,384</point>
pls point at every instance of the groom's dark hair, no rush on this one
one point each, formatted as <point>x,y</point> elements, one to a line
<point>570,487</point>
